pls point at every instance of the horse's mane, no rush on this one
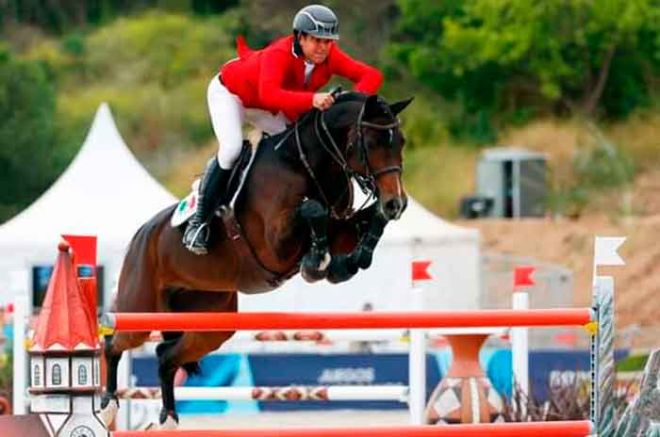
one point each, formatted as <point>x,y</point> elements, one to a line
<point>336,112</point>
<point>350,96</point>
<point>341,100</point>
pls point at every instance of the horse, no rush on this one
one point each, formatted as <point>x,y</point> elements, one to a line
<point>293,212</point>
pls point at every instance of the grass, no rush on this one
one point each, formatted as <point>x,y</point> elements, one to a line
<point>438,177</point>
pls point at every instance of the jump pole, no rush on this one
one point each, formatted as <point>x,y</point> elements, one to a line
<point>294,393</point>
<point>602,338</point>
<point>576,428</point>
<point>522,280</point>
<point>188,322</point>
<point>417,348</point>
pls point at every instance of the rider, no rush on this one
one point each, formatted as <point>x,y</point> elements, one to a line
<point>269,89</point>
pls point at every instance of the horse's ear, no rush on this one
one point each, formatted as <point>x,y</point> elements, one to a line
<point>397,107</point>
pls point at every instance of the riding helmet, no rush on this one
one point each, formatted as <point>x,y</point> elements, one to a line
<point>318,21</point>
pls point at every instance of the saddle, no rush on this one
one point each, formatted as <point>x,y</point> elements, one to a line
<point>254,277</point>
<point>188,205</point>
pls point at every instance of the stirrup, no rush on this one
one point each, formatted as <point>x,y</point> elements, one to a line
<point>194,245</point>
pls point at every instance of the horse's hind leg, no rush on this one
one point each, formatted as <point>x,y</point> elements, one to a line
<point>185,350</point>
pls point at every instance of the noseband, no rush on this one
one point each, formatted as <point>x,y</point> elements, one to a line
<point>367,182</point>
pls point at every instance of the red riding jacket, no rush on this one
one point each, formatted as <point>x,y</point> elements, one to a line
<point>273,78</point>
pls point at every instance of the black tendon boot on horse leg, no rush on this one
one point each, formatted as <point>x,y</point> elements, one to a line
<point>212,188</point>
<point>168,418</point>
<point>364,252</point>
<point>109,401</point>
<point>371,226</point>
<point>315,263</point>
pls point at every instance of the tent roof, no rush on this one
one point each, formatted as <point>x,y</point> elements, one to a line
<point>418,224</point>
<point>105,191</point>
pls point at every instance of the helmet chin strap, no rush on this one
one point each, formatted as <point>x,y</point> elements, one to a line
<point>297,48</point>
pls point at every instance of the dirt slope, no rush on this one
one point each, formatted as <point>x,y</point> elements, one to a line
<point>570,243</point>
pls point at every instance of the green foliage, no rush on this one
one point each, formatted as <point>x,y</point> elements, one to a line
<point>157,48</point>
<point>473,66</point>
<point>6,373</point>
<point>501,57</point>
<point>633,363</point>
<point>60,16</point>
<point>153,69</point>
<point>27,107</point>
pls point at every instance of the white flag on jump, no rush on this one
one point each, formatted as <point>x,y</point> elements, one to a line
<point>605,251</point>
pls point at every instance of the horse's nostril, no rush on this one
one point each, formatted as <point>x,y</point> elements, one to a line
<point>392,207</point>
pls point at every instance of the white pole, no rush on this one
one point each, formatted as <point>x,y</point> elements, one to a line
<point>417,365</point>
<point>20,359</point>
<point>520,352</point>
<point>124,372</point>
<point>397,393</point>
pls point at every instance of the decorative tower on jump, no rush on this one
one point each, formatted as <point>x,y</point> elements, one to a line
<point>65,368</point>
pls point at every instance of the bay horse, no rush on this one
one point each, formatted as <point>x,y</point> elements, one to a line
<point>293,212</point>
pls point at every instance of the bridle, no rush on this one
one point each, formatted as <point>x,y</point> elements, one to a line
<point>367,182</point>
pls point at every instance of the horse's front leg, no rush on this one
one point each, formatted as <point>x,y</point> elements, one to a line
<point>362,233</point>
<point>364,252</point>
<point>315,262</point>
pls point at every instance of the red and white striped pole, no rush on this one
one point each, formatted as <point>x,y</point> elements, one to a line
<point>417,352</point>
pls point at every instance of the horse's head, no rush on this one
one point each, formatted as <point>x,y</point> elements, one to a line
<point>374,152</point>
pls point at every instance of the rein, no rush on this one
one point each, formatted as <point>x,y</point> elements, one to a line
<point>366,182</point>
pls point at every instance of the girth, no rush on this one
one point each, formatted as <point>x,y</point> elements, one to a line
<point>253,277</point>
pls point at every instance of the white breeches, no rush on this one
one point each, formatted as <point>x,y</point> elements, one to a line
<point>228,115</point>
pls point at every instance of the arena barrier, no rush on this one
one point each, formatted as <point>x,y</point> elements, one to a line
<point>598,320</point>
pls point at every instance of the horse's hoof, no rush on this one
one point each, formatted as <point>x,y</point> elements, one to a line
<point>323,265</point>
<point>314,266</point>
<point>109,412</point>
<point>168,420</point>
<point>312,275</point>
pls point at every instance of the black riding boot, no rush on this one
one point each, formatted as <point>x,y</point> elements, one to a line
<point>212,189</point>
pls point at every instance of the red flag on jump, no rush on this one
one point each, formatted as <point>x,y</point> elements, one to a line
<point>522,276</point>
<point>84,248</point>
<point>420,271</point>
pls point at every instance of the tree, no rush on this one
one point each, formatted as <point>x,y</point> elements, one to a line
<point>514,56</point>
<point>27,106</point>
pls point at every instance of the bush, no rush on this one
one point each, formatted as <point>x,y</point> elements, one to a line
<point>598,167</point>
<point>6,375</point>
<point>27,108</point>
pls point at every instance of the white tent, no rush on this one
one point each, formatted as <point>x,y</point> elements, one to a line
<point>105,192</point>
